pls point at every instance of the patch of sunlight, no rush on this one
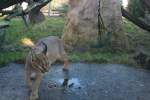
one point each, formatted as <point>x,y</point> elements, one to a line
<point>125,3</point>
<point>27,42</point>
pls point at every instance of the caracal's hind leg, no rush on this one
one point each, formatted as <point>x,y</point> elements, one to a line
<point>66,64</point>
<point>63,55</point>
<point>35,86</point>
<point>65,69</point>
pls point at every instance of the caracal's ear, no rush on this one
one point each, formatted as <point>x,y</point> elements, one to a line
<point>45,48</point>
<point>27,43</point>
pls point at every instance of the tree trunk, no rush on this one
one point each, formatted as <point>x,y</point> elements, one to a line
<point>111,12</point>
<point>82,23</point>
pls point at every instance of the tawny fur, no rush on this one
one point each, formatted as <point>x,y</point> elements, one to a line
<point>55,51</point>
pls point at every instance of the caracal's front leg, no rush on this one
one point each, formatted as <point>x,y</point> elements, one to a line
<point>35,86</point>
<point>28,80</point>
<point>28,77</point>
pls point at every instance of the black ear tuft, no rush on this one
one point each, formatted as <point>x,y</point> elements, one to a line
<point>45,48</point>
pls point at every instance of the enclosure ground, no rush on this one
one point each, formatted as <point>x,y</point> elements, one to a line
<point>86,82</point>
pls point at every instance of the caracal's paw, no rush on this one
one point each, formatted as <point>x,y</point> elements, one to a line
<point>65,69</point>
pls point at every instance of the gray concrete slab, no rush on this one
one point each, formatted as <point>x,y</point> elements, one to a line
<point>86,82</point>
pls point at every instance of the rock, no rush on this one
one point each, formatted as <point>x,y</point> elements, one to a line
<point>142,58</point>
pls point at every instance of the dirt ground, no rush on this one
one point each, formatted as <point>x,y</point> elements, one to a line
<point>86,82</point>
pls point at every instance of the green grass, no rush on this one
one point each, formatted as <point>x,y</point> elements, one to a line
<point>100,57</point>
<point>17,31</point>
<point>137,36</point>
<point>54,26</point>
<point>9,57</point>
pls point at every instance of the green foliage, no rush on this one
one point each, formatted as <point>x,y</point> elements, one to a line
<point>2,37</point>
<point>137,37</point>
<point>17,31</point>
<point>54,26</point>
<point>8,57</point>
<point>136,8</point>
<point>2,32</point>
<point>100,57</point>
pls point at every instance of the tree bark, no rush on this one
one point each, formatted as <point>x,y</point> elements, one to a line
<point>81,29</point>
<point>146,3</point>
<point>81,24</point>
<point>112,16</point>
<point>135,20</point>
